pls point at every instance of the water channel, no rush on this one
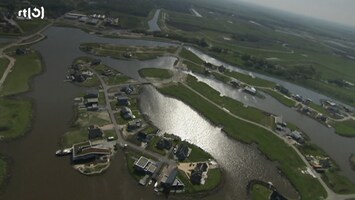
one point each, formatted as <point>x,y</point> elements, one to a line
<point>38,174</point>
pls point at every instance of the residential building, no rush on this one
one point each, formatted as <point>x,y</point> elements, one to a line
<point>182,152</point>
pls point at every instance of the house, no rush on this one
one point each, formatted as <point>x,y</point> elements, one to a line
<point>95,62</point>
<point>297,136</point>
<point>199,173</point>
<point>94,132</point>
<point>141,136</point>
<point>86,152</point>
<point>250,90</point>
<point>92,94</point>
<point>145,165</point>
<point>164,144</point>
<point>171,183</point>
<point>182,151</point>
<point>134,124</point>
<point>128,89</point>
<point>20,51</point>
<point>123,101</point>
<point>222,69</point>
<point>126,113</point>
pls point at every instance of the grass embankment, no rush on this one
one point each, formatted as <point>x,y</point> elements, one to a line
<point>260,192</point>
<point>155,73</point>
<point>280,97</point>
<point>26,66</point>
<point>126,52</point>
<point>289,162</point>
<point>3,65</point>
<point>188,55</point>
<point>345,128</point>
<point>230,104</point>
<point>194,67</point>
<point>214,177</point>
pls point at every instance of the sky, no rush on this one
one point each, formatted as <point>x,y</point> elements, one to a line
<point>339,11</point>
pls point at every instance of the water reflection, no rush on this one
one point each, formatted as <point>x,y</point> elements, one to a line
<point>241,162</point>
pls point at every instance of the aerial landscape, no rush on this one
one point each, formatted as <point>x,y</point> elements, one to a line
<point>176,99</point>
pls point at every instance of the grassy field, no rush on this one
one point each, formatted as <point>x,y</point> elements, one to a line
<point>3,171</point>
<point>230,104</point>
<point>3,65</point>
<point>188,55</point>
<point>214,177</point>
<point>302,61</point>
<point>155,73</point>
<point>30,26</point>
<point>269,144</point>
<point>280,97</point>
<point>15,117</point>
<point>197,154</point>
<point>26,66</point>
<point>260,192</point>
<point>345,128</point>
<point>122,52</point>
<point>194,67</point>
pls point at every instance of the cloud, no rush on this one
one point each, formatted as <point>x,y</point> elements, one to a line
<point>340,11</point>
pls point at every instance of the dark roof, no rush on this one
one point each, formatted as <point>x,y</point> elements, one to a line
<point>164,144</point>
<point>95,133</point>
<point>182,151</point>
<point>171,177</point>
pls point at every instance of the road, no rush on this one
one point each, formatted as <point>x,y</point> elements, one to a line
<point>120,138</point>
<point>20,41</point>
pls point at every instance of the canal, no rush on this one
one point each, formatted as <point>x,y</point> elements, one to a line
<point>38,174</point>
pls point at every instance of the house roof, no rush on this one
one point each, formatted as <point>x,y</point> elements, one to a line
<point>142,162</point>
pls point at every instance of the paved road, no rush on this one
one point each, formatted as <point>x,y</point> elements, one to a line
<point>120,139</point>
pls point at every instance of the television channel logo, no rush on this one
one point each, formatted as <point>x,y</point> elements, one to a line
<point>29,13</point>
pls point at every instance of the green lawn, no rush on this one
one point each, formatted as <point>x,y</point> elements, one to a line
<point>232,105</point>
<point>152,145</point>
<point>188,55</point>
<point>114,79</point>
<point>194,67</point>
<point>30,26</point>
<point>280,97</point>
<point>26,66</point>
<point>345,128</point>
<point>274,148</point>
<point>254,81</point>
<point>197,154</point>
<point>3,65</point>
<point>260,192</point>
<point>155,73</point>
<point>15,117</point>
<point>74,136</point>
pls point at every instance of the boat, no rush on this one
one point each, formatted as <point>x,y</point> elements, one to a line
<point>63,152</point>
